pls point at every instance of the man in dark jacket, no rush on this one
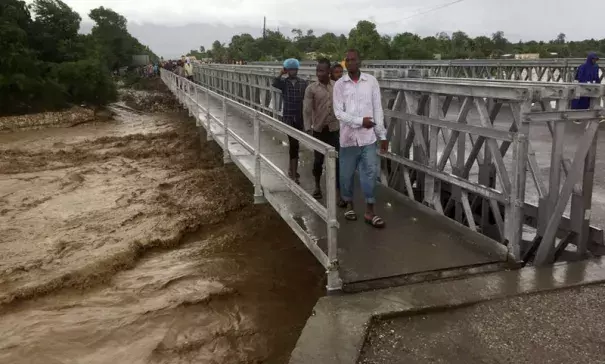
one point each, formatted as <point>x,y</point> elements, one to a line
<point>293,92</point>
<point>587,73</point>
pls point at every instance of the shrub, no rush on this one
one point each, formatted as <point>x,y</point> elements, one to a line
<point>86,81</point>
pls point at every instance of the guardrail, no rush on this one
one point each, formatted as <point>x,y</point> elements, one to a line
<point>190,94</point>
<point>433,121</point>
<point>393,63</point>
<point>548,70</point>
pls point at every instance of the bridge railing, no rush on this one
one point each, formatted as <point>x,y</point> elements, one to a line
<point>211,110</point>
<point>547,70</point>
<point>462,146</point>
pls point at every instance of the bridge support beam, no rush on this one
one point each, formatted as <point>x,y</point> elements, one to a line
<point>226,154</point>
<point>259,197</point>
<point>208,116</point>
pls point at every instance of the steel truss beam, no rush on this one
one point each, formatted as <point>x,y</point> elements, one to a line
<point>463,147</point>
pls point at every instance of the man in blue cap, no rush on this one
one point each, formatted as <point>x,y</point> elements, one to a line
<point>293,92</point>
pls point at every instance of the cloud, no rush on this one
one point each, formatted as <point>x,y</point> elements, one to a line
<point>519,19</point>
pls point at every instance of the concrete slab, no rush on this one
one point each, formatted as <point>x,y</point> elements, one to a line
<point>337,329</point>
<point>416,240</point>
<point>565,326</point>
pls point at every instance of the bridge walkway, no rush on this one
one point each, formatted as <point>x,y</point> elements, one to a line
<point>417,243</point>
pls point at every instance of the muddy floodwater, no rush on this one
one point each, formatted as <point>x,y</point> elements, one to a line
<point>128,241</point>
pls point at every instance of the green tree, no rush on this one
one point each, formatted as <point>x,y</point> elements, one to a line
<point>46,65</point>
<point>112,41</point>
<point>501,44</point>
<point>409,46</point>
<point>18,68</point>
<point>219,53</point>
<point>365,38</point>
<point>243,47</point>
<point>55,31</point>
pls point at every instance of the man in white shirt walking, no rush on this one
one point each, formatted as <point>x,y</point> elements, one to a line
<point>358,107</point>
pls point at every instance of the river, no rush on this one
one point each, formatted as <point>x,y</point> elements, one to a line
<point>129,241</point>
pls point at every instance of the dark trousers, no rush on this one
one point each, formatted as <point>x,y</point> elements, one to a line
<point>331,138</point>
<point>294,147</point>
<point>293,144</point>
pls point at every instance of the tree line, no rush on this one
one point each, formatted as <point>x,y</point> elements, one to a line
<point>305,45</point>
<point>46,65</point>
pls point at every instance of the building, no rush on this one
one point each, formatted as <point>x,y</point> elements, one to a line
<point>527,56</point>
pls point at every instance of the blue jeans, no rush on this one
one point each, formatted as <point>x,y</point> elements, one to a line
<point>366,159</point>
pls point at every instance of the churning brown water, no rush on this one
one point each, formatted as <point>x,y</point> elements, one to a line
<point>130,242</point>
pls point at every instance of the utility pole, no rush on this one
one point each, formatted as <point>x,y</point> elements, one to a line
<point>264,27</point>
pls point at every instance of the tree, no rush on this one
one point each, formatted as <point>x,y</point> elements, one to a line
<point>560,38</point>
<point>365,38</point>
<point>243,47</point>
<point>55,31</point>
<point>112,41</point>
<point>18,72</point>
<point>46,65</point>
<point>409,46</point>
<point>460,45</point>
<point>219,53</point>
<point>501,44</point>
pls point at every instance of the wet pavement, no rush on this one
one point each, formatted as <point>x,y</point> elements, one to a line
<point>337,330</point>
<point>559,327</point>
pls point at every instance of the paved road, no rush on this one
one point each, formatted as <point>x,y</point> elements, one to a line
<point>559,327</point>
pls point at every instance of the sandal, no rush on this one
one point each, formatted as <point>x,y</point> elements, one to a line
<point>296,179</point>
<point>375,221</point>
<point>317,194</point>
<point>351,215</point>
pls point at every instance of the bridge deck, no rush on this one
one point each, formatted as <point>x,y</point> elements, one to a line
<point>417,243</point>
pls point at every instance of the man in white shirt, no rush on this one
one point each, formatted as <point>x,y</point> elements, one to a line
<point>358,107</point>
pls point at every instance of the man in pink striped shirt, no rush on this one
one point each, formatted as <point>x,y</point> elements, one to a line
<point>358,107</point>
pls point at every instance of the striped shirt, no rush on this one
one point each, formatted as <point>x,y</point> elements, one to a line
<point>352,102</point>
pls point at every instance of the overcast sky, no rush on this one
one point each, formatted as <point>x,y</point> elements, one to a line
<point>519,19</point>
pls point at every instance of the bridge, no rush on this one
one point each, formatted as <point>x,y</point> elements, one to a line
<point>481,175</point>
<point>547,70</point>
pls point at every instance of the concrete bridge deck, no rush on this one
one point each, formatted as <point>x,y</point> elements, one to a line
<point>367,257</point>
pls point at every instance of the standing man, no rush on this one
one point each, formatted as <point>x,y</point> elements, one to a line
<point>336,72</point>
<point>358,107</point>
<point>180,71</point>
<point>293,92</point>
<point>188,68</point>
<point>320,121</point>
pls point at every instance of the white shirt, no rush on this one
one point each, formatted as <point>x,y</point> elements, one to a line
<point>352,102</point>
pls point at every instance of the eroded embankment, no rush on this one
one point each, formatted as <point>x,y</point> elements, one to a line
<point>128,241</point>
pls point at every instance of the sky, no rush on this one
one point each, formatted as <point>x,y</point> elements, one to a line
<point>171,27</point>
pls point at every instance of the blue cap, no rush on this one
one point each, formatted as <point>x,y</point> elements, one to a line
<point>291,63</point>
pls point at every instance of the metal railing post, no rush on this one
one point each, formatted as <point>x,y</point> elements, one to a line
<point>197,105</point>
<point>333,275</point>
<point>189,97</point>
<point>513,214</point>
<point>226,154</point>
<point>208,124</point>
<point>259,197</point>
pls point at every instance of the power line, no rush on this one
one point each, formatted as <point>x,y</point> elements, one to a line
<point>430,10</point>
